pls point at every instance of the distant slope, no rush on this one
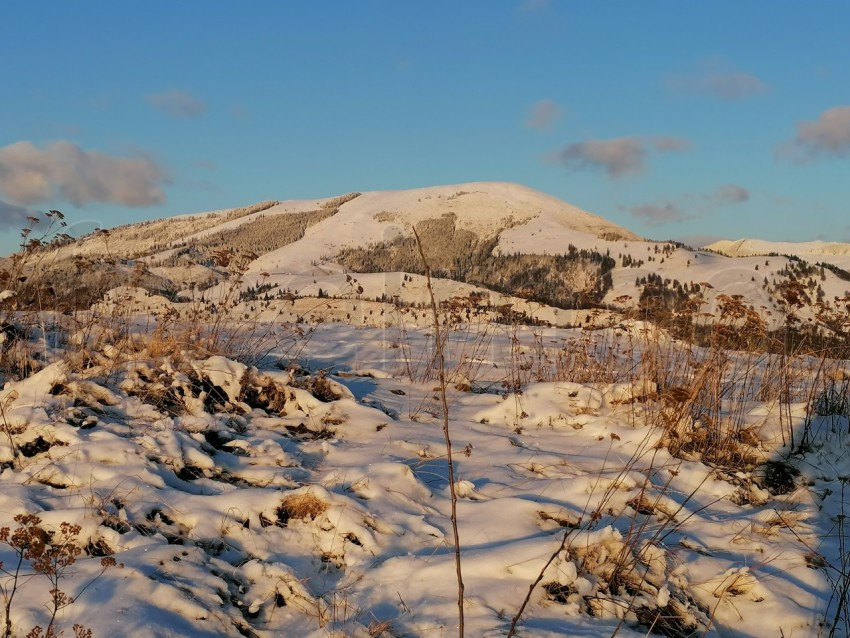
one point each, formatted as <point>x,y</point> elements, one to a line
<point>750,247</point>
<point>837,253</point>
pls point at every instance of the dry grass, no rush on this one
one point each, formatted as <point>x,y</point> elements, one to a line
<point>301,507</point>
<point>380,628</point>
<point>703,404</point>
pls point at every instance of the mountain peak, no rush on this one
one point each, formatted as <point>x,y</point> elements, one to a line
<point>486,209</point>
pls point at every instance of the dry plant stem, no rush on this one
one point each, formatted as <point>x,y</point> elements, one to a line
<point>8,431</point>
<point>9,594</point>
<point>441,364</point>
<point>515,620</point>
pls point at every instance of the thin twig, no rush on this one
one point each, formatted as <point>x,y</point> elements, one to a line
<point>15,452</point>
<point>516,618</point>
<point>441,365</point>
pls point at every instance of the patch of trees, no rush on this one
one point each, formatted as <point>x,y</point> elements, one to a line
<point>660,297</point>
<point>802,268</point>
<point>75,284</point>
<point>612,235</point>
<point>268,232</point>
<point>798,283</point>
<point>335,203</point>
<point>631,262</point>
<point>261,291</point>
<point>835,270</point>
<point>574,279</point>
<point>264,234</point>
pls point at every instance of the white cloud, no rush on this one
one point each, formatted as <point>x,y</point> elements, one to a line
<point>64,171</point>
<point>543,115</point>
<point>827,136</point>
<point>618,157</point>
<point>655,214</point>
<point>666,144</point>
<point>178,103</point>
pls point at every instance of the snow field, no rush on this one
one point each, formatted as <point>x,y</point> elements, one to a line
<point>257,501</point>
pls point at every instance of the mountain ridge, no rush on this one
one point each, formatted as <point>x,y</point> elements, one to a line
<point>508,242</point>
<point>750,247</point>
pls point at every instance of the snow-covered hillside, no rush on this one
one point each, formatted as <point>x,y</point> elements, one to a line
<point>829,252</point>
<point>485,208</point>
<point>302,250</point>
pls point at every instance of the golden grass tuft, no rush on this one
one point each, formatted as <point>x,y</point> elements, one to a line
<point>302,507</point>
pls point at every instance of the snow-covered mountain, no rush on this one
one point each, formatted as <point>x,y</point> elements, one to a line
<point>505,241</point>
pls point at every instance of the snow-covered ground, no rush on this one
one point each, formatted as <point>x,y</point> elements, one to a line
<point>314,500</point>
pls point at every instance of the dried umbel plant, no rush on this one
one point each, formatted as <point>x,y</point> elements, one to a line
<point>49,554</point>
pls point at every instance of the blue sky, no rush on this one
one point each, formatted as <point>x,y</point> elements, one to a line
<point>675,119</point>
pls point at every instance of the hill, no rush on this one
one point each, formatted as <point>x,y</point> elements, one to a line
<point>506,244</point>
<point>836,253</point>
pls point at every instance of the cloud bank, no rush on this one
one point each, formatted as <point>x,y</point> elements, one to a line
<point>64,171</point>
<point>617,157</point>
<point>729,86</point>
<point>731,194</point>
<point>655,214</point>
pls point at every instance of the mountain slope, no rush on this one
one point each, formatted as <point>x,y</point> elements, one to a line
<point>501,242</point>
<point>837,253</point>
<point>483,208</point>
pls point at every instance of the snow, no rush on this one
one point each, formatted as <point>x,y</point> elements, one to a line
<point>304,491</point>
<point>484,208</point>
<point>837,253</point>
<point>525,221</point>
<point>257,501</point>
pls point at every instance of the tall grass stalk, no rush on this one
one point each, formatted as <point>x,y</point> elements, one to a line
<point>441,366</point>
